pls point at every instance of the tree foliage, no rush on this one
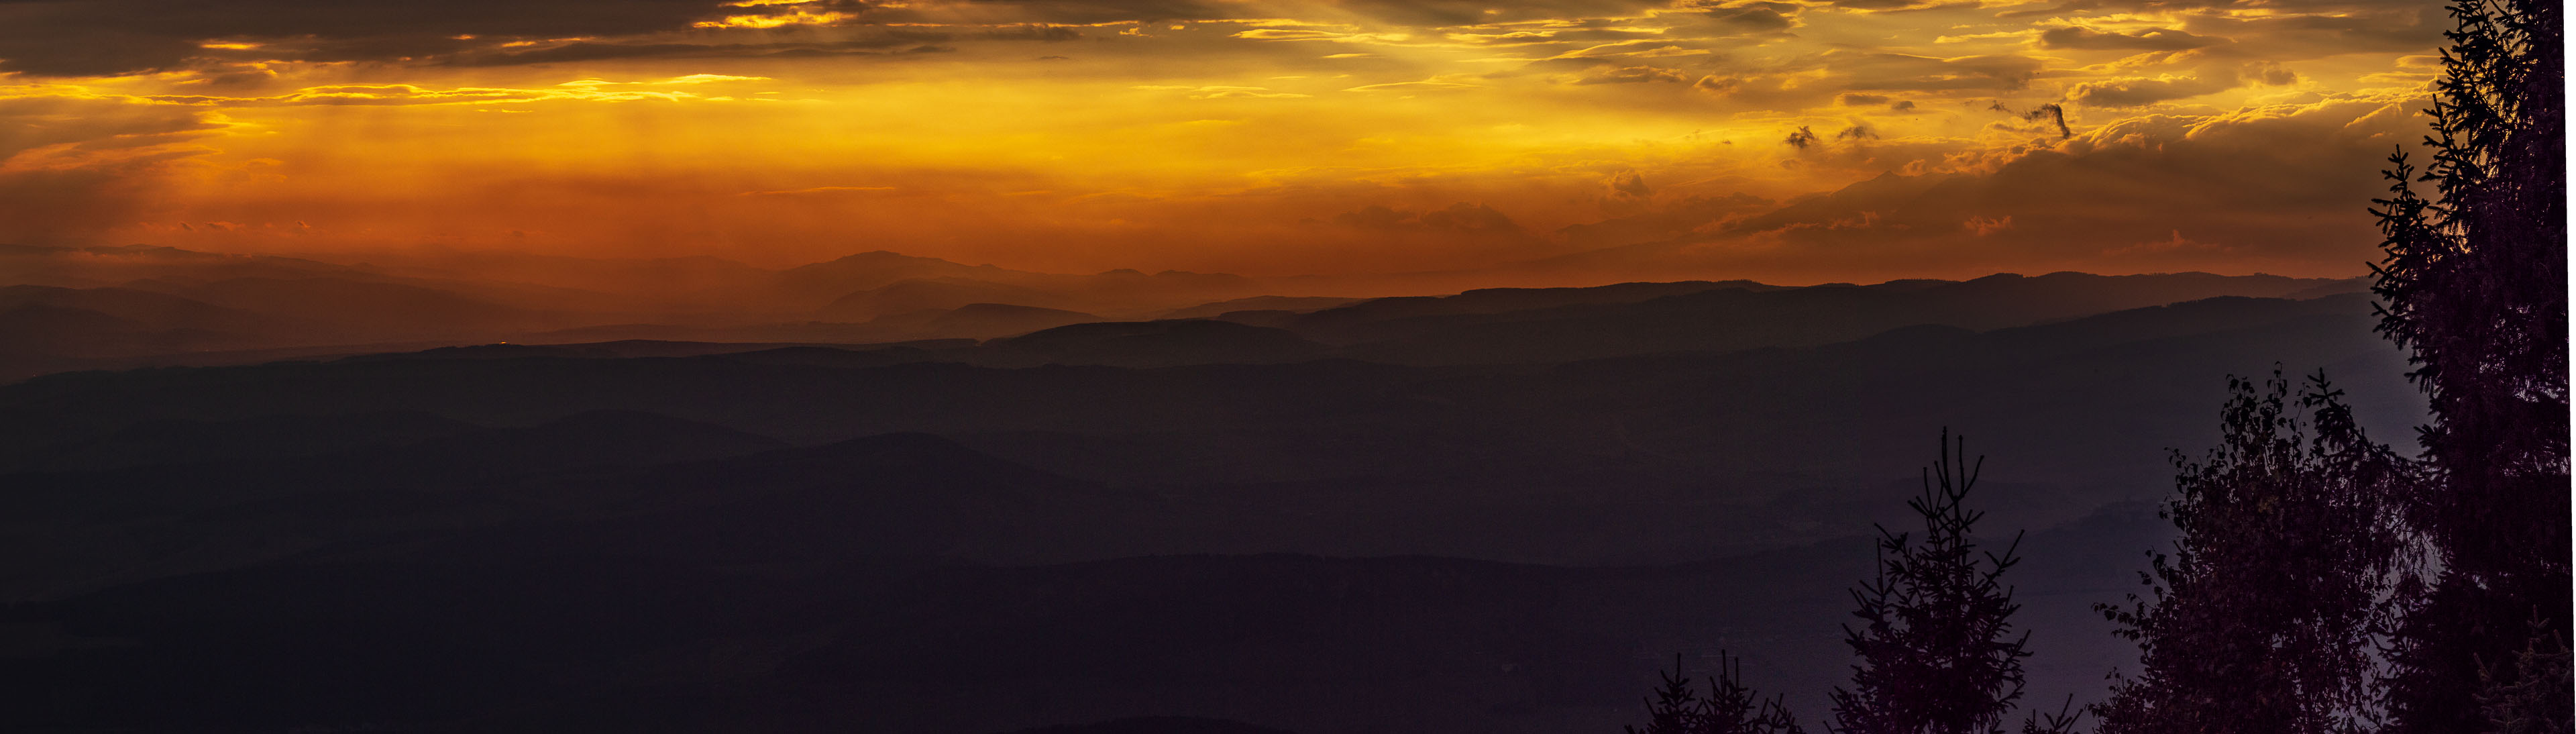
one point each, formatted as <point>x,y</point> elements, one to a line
<point>2474,286</point>
<point>1937,650</point>
<point>2262,619</point>
<point>1729,708</point>
<point>2535,701</point>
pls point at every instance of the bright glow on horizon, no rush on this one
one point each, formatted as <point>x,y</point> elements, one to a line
<point>1790,141</point>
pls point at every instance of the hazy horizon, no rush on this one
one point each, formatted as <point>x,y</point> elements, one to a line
<point>464,261</point>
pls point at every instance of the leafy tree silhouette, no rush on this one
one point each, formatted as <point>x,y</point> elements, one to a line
<point>2474,284</point>
<point>1937,650</point>
<point>2262,618</point>
<point>1730,708</point>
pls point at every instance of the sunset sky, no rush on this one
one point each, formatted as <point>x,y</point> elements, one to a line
<point>1603,139</point>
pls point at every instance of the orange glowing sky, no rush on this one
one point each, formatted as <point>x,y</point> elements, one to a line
<point>1789,141</point>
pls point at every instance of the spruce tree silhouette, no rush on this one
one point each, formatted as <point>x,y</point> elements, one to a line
<point>1733,708</point>
<point>2536,699</point>
<point>1937,649</point>
<point>1675,708</point>
<point>1730,708</point>
<point>2474,284</point>
<point>2261,621</point>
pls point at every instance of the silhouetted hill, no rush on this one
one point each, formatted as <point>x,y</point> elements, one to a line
<point>99,322</point>
<point>1273,319</point>
<point>370,452</point>
<point>912,295</point>
<point>45,329</point>
<point>782,352</point>
<point>223,512</point>
<point>877,283</point>
<point>606,437</point>
<point>1152,344</point>
<point>494,351</point>
<point>1101,521</point>
<point>112,308</point>
<point>842,357</point>
<point>99,266</point>
<point>125,303</point>
<point>968,322</point>
<point>1157,725</point>
<point>1342,323</point>
<point>988,320</point>
<point>180,441</point>
<point>1289,304</point>
<point>660,277</point>
<point>896,497</point>
<point>599,483</point>
<point>1736,318</point>
<point>493,643</point>
<point>370,311</point>
<point>2331,288</point>
<point>1356,458</point>
<point>2177,320</point>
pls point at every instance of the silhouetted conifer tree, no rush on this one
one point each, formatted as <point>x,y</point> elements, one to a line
<point>2261,621</point>
<point>1937,649</point>
<point>1675,708</point>
<point>2065,721</point>
<point>2536,700</point>
<point>1733,708</point>
<point>1730,708</point>
<point>2475,285</point>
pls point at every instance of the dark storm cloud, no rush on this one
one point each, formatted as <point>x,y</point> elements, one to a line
<point>1512,36</point>
<point>28,123</point>
<point>99,37</point>
<point>1802,138</point>
<point>1676,219</point>
<point>1031,32</point>
<point>876,42</point>
<point>1468,217</point>
<point>1420,13</point>
<point>85,161</point>
<point>1899,72</point>
<point>1561,64</point>
<point>2277,173</point>
<point>1634,75</point>
<point>108,37</point>
<point>2139,92</point>
<point>2055,115</point>
<point>2406,28</point>
<point>1880,4</point>
<point>1630,184</point>
<point>1457,217</point>
<point>1753,18</point>
<point>2268,72</point>
<point>2154,39</point>
<point>1851,99</point>
<point>1436,13</point>
<point>585,51</point>
<point>2142,92</point>
<point>1079,12</point>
